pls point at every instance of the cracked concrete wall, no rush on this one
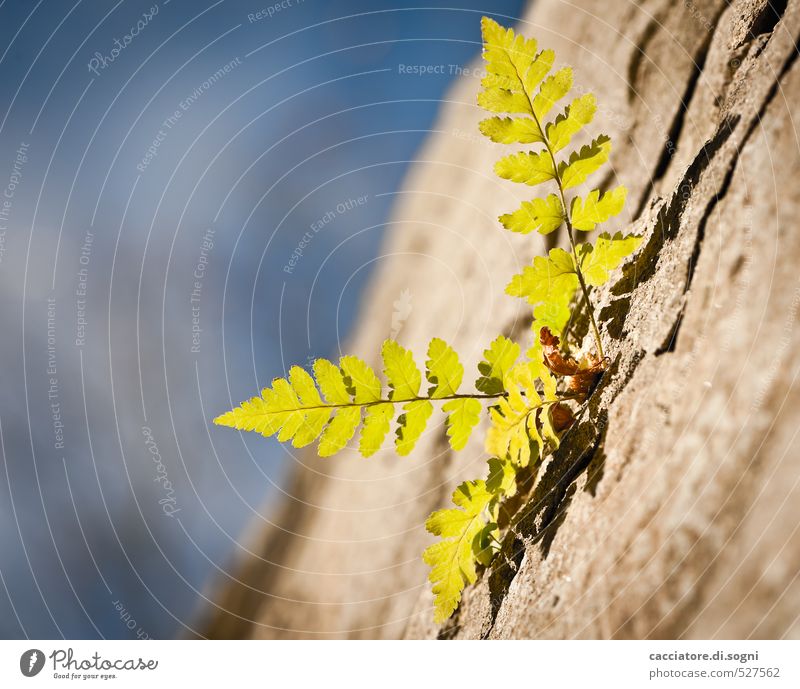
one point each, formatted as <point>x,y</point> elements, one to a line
<point>672,508</point>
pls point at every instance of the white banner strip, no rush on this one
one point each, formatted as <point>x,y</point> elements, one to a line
<point>406,664</point>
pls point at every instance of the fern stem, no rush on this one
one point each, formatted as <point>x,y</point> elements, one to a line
<point>476,396</point>
<point>582,283</point>
<point>567,217</point>
<point>568,223</point>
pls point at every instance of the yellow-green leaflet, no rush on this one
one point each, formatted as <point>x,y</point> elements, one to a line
<point>338,432</point>
<point>513,428</point>
<point>509,130</point>
<point>376,425</point>
<point>331,382</point>
<point>360,380</point>
<point>402,373</point>
<point>445,372</point>
<point>526,168</point>
<point>584,162</point>
<point>412,423</point>
<point>546,278</point>
<point>291,408</point>
<point>589,212</point>
<point>507,55</point>
<point>607,254</point>
<point>463,415</point>
<point>452,560</point>
<point>538,70</point>
<point>552,90</point>
<point>312,421</point>
<point>577,115</point>
<point>544,215</point>
<point>502,100</point>
<point>497,362</point>
<point>502,477</point>
<point>549,285</point>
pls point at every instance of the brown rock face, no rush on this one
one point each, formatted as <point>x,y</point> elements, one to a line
<point>673,507</point>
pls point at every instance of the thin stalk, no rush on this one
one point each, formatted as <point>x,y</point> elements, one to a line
<point>567,218</point>
<point>568,223</point>
<point>476,396</point>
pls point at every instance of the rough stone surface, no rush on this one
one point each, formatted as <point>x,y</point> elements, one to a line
<point>672,509</point>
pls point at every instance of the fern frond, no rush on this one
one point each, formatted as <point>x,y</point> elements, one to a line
<point>377,421</point>
<point>502,477</point>
<point>452,560</point>
<point>584,162</point>
<point>462,416</point>
<point>545,278</point>
<point>300,409</point>
<point>595,209</point>
<point>575,117</point>
<point>526,168</point>
<point>497,362</point>
<point>552,90</point>
<point>544,215</point>
<point>444,371</point>
<point>469,535</point>
<point>339,431</point>
<point>510,130</point>
<point>514,428</point>
<point>606,255</point>
<point>360,380</point>
<point>402,374</point>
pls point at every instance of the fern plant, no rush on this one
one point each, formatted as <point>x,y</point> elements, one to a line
<point>531,400</point>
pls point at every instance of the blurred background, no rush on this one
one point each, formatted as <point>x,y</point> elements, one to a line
<point>193,199</point>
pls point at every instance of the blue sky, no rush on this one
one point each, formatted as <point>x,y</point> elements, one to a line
<point>167,162</point>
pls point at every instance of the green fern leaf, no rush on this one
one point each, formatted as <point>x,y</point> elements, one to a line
<point>544,215</point>
<point>331,382</point>
<point>589,212</point>
<point>606,255</point>
<point>538,70</point>
<point>463,415</point>
<point>376,425</point>
<point>526,168</point>
<point>402,373</point>
<point>513,69</point>
<point>502,100</point>
<point>552,90</point>
<point>312,420</point>
<point>584,162</point>
<point>545,278</point>
<point>452,560</point>
<point>412,423</point>
<point>577,115</point>
<point>502,477</point>
<point>509,130</point>
<point>513,429</point>
<point>290,409</point>
<point>549,285</point>
<point>555,313</point>
<point>506,54</point>
<point>338,432</point>
<point>360,380</point>
<point>445,372</point>
<point>498,361</point>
